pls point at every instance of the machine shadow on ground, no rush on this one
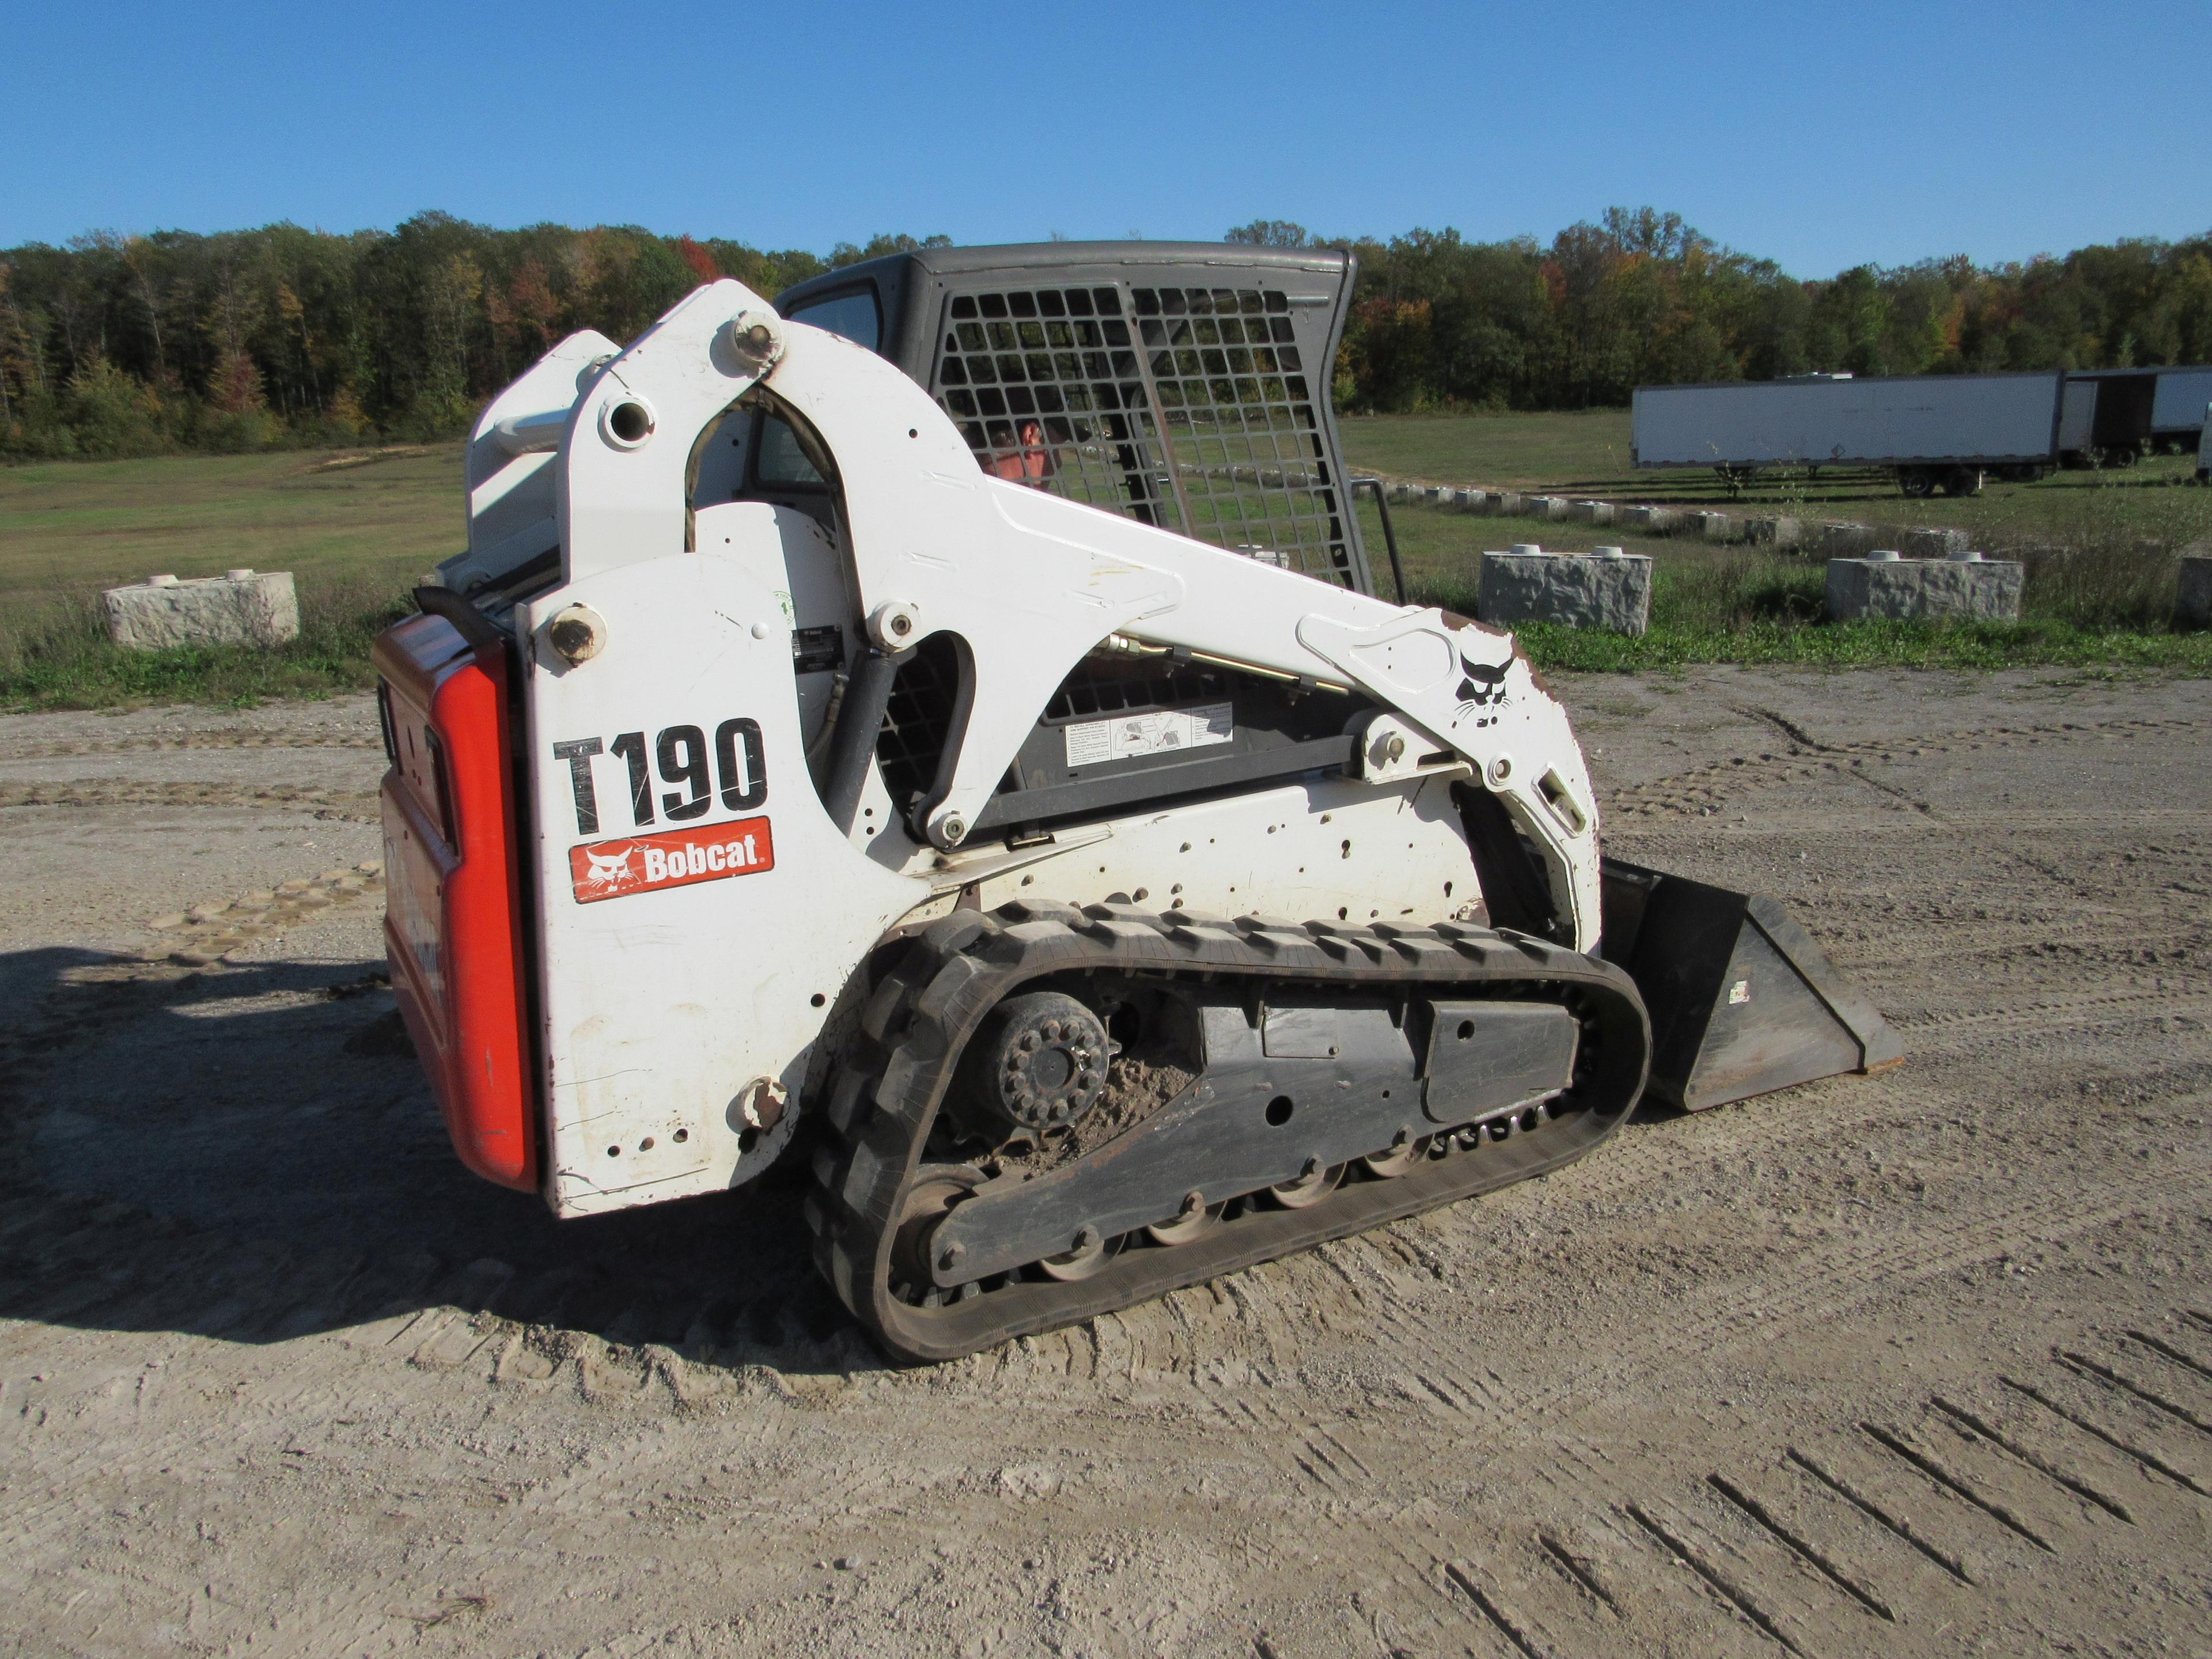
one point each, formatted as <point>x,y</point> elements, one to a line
<point>250,1153</point>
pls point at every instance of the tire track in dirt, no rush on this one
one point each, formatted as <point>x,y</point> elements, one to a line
<point>2032,940</point>
<point>348,806</point>
<point>1779,1548</point>
<point>2063,1011</point>
<point>183,740</point>
<point>1716,1315</point>
<point>1825,1545</point>
<point>1702,790</point>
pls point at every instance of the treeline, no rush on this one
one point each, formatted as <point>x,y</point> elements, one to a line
<point>1641,299</point>
<point>116,346</point>
<point>135,345</point>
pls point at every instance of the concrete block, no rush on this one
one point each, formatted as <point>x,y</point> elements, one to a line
<point>1467,500</point>
<point>1964,587</point>
<point>1774,531</point>
<point>1657,520</point>
<point>1846,541</point>
<point>1508,503</point>
<point>1926,541</point>
<point>1592,511</point>
<point>240,607</point>
<point>1554,507</point>
<point>2193,608</point>
<point>1716,526</point>
<point>1606,589</point>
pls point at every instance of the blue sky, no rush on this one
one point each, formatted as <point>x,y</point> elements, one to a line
<point>1820,136</point>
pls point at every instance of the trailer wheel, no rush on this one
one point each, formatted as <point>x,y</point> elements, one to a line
<point>1963,481</point>
<point>1916,482</point>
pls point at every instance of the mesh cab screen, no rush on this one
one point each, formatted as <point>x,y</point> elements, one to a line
<point>1186,408</point>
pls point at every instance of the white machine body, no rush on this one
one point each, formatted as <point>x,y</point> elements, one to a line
<point>697,916</point>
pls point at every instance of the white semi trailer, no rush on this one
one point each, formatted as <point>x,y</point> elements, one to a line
<point>1935,430</point>
<point>2134,410</point>
<point>2183,394</point>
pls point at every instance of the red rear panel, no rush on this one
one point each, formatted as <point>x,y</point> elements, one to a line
<point>453,924</point>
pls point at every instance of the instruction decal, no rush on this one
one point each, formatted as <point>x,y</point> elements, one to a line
<point>817,650</point>
<point>1092,742</point>
<point>675,858</point>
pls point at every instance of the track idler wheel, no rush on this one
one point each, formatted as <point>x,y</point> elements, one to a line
<point>1197,1220</point>
<point>935,1190</point>
<point>1310,1188</point>
<point>1093,1254</point>
<point>1038,1063</point>
<point>1407,1155</point>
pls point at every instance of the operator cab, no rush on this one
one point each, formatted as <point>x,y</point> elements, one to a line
<point>1182,383</point>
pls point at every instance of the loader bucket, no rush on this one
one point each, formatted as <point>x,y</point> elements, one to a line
<point>1741,1000</point>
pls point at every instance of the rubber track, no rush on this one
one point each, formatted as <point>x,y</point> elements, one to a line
<point>884,1092</point>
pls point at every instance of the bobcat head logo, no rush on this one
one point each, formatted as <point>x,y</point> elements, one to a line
<point>1482,689</point>
<point>607,870</point>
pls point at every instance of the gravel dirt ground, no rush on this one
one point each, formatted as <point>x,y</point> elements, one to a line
<point>1914,1364</point>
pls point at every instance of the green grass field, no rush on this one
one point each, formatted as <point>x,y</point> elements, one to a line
<point>359,528</point>
<point>356,529</point>
<point>349,516</point>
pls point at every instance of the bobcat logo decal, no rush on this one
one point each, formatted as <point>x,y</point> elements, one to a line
<point>1482,692</point>
<point>606,870</point>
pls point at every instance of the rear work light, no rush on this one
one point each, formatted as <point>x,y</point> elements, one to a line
<point>453,928</point>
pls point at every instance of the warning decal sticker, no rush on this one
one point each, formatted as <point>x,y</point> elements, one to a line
<point>646,864</point>
<point>1094,742</point>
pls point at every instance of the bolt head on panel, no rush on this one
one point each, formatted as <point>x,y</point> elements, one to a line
<point>577,634</point>
<point>760,1103</point>
<point>755,339</point>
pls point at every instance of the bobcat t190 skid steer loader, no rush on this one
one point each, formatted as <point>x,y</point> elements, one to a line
<point>952,716</point>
